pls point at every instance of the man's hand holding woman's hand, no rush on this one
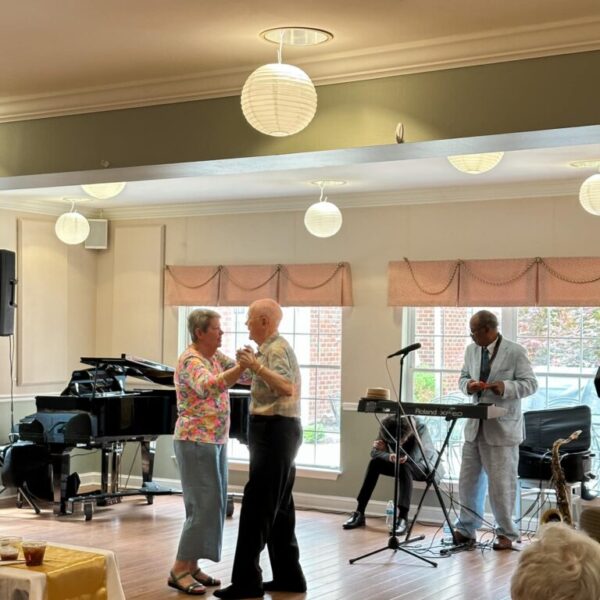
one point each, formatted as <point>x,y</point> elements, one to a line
<point>247,359</point>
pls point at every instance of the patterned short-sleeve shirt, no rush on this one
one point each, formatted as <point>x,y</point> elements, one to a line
<point>202,397</point>
<point>277,355</point>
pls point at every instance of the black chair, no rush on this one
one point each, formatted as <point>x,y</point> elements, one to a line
<point>542,429</point>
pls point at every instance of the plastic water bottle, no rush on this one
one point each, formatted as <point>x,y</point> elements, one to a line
<point>389,514</point>
<point>447,536</point>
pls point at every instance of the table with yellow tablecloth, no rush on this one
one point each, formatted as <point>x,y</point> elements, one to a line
<point>68,573</point>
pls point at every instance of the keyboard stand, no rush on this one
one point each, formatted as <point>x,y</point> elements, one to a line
<point>393,543</point>
<point>431,482</point>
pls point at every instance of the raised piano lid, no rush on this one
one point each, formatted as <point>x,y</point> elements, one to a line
<point>135,366</point>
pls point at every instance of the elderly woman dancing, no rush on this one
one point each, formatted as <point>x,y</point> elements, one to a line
<point>202,377</point>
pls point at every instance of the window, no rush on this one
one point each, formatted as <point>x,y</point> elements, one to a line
<point>563,345</point>
<point>316,336</point>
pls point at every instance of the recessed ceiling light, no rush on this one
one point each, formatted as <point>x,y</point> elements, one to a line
<point>71,199</point>
<point>297,36</point>
<point>328,182</point>
<point>475,164</point>
<point>104,191</point>
<point>591,163</point>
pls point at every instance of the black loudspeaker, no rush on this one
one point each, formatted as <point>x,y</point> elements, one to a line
<point>26,463</point>
<point>7,292</point>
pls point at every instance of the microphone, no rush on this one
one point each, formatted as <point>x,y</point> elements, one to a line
<point>405,351</point>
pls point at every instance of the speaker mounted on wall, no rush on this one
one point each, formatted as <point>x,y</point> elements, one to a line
<point>98,237</point>
<point>8,284</point>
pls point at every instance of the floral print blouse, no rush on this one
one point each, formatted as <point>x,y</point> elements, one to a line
<point>202,397</point>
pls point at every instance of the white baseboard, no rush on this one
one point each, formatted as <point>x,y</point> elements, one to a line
<point>336,504</point>
<point>134,481</point>
<point>431,515</point>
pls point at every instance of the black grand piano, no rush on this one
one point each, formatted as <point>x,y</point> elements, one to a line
<point>98,411</point>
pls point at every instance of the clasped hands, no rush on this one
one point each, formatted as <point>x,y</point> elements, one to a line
<point>497,387</point>
<point>380,445</point>
<point>246,358</point>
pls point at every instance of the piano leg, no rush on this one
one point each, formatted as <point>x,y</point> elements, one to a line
<point>106,451</point>
<point>61,467</point>
<point>148,451</point>
<point>117,453</point>
<point>109,477</point>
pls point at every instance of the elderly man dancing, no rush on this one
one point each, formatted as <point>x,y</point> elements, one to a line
<point>275,434</point>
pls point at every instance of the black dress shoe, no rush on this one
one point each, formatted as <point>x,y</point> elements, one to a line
<point>401,527</point>
<point>460,538</point>
<point>232,592</point>
<point>357,519</point>
<point>276,586</point>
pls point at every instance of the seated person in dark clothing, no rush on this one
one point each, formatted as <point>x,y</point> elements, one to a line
<point>411,466</point>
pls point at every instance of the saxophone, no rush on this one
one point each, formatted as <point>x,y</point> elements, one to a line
<point>562,512</point>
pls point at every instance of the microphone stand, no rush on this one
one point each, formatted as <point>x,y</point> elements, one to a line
<point>393,542</point>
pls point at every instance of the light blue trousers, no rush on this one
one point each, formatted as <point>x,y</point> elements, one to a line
<point>203,470</point>
<point>492,469</point>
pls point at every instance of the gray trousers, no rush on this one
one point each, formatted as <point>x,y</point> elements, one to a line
<point>203,469</point>
<point>493,468</point>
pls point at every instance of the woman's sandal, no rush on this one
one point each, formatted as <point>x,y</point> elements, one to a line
<point>205,579</point>
<point>194,589</point>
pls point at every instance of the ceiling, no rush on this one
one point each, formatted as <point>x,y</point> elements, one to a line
<point>114,54</point>
<point>83,55</point>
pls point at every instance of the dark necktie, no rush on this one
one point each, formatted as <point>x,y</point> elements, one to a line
<point>484,372</point>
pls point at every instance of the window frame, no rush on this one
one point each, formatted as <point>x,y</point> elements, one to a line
<point>314,469</point>
<point>509,317</point>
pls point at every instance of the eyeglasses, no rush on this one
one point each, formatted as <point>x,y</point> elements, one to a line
<point>475,331</point>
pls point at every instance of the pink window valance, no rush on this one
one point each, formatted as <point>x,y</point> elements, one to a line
<point>327,284</point>
<point>500,282</point>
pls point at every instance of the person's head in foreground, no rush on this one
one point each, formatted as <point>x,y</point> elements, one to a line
<point>563,564</point>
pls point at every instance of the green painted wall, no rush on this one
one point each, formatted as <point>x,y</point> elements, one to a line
<point>544,93</point>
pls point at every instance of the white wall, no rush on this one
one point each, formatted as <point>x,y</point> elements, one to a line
<point>56,299</point>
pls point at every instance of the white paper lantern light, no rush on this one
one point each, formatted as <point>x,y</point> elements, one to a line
<point>72,228</point>
<point>279,99</point>
<point>103,191</point>
<point>589,194</point>
<point>323,219</point>
<point>474,164</point>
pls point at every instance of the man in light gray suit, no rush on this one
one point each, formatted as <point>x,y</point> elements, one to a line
<point>495,370</point>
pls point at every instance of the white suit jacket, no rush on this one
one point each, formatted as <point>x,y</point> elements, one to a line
<point>512,367</point>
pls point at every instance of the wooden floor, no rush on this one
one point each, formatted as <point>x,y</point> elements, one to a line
<point>145,538</point>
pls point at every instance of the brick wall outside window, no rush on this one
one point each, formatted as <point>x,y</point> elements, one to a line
<point>316,336</point>
<point>562,343</point>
